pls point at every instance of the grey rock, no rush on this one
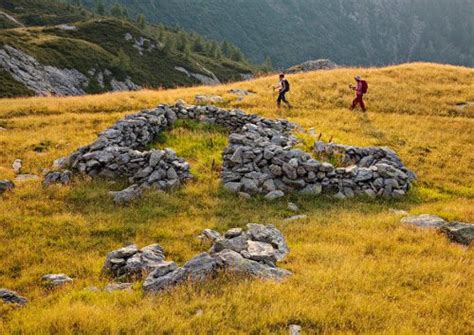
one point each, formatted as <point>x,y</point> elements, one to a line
<point>261,251</point>
<point>269,234</point>
<point>274,195</point>
<point>234,232</point>
<point>56,280</point>
<point>233,262</point>
<point>233,187</point>
<point>210,234</point>
<point>424,221</point>
<point>293,207</point>
<point>312,189</point>
<point>118,287</point>
<point>11,297</point>
<point>6,185</point>
<point>459,232</point>
<point>127,195</point>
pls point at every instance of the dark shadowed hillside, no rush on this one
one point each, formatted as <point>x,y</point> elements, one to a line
<point>368,32</point>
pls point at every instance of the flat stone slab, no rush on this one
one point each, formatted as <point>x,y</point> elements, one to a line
<point>424,221</point>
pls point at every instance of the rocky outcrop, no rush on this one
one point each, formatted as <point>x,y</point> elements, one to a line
<point>210,79</point>
<point>208,99</point>
<point>252,253</point>
<point>11,297</point>
<point>41,79</point>
<point>47,80</point>
<point>312,65</point>
<point>458,232</point>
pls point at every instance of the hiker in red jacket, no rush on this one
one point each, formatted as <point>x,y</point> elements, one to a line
<point>361,88</point>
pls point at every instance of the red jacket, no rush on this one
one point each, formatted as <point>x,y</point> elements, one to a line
<point>359,88</point>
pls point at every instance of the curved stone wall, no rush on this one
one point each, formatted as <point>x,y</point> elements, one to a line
<point>259,159</point>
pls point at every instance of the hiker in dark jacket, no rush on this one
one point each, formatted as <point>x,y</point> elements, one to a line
<point>283,87</point>
<point>360,89</point>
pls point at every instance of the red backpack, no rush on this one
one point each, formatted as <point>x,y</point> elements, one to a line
<point>365,87</point>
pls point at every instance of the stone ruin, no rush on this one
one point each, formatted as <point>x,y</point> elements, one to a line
<point>253,253</point>
<point>260,158</point>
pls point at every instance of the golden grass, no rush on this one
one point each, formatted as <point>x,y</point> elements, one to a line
<point>356,268</point>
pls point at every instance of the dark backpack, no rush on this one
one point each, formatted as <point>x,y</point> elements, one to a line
<point>365,87</point>
<point>287,86</point>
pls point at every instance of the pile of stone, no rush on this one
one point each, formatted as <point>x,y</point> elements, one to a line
<point>6,185</point>
<point>262,160</point>
<point>251,253</point>
<point>131,263</point>
<point>11,297</point>
<point>458,232</point>
<point>116,154</point>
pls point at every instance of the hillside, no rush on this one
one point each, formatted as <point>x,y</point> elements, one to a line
<point>366,32</point>
<point>356,268</point>
<point>52,48</point>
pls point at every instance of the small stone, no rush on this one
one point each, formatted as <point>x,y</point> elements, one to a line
<point>274,195</point>
<point>233,187</point>
<point>294,330</point>
<point>293,207</point>
<point>296,218</point>
<point>118,287</point>
<point>234,232</point>
<point>17,165</point>
<point>210,234</point>
<point>56,280</point>
<point>261,251</point>
<point>244,195</point>
<point>312,189</point>
<point>339,196</point>
<point>11,297</point>
<point>127,195</point>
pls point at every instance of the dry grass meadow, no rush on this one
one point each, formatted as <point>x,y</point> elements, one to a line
<point>356,268</point>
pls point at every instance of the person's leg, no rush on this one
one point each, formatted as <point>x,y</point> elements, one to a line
<point>362,104</point>
<point>285,101</point>
<point>279,101</point>
<point>354,103</point>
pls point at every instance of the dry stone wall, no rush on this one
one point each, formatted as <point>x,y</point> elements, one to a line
<point>260,158</point>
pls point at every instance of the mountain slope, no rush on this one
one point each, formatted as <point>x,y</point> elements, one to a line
<point>65,50</point>
<point>368,32</point>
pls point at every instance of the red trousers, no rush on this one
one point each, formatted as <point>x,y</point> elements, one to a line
<point>359,100</point>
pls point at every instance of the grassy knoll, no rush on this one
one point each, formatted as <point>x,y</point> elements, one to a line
<point>356,268</point>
